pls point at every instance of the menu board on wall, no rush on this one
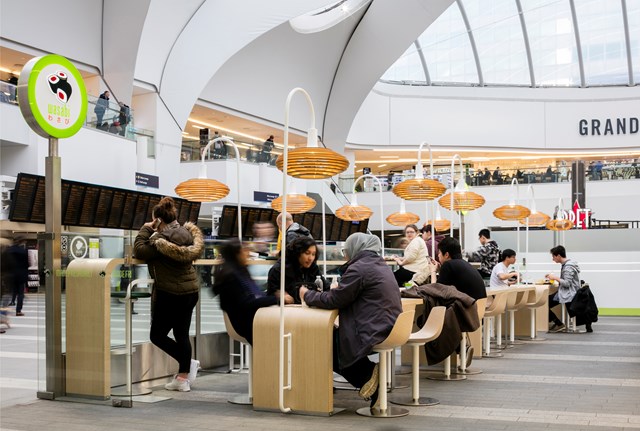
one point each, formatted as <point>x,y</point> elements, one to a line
<point>91,205</point>
<point>128,211</point>
<point>23,197</point>
<point>117,206</point>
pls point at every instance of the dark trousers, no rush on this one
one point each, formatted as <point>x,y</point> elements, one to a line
<point>173,312</point>
<point>402,276</point>
<point>18,293</point>
<point>358,373</point>
<point>552,315</point>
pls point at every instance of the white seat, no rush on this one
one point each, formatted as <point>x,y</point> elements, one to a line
<point>429,332</point>
<point>245,399</point>
<point>495,310</point>
<point>481,307</point>
<point>537,298</point>
<point>399,335</point>
<point>516,300</point>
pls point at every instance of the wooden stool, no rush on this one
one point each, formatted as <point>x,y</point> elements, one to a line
<point>537,298</point>
<point>481,306</point>
<point>244,399</point>
<point>429,332</point>
<point>495,310</point>
<point>516,300</point>
<point>398,336</point>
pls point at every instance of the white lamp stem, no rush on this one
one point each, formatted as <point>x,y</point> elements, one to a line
<point>380,193</point>
<point>203,174</point>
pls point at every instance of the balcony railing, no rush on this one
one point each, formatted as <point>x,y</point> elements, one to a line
<point>623,169</point>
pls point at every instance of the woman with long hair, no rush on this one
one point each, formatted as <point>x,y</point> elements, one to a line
<point>169,251</point>
<point>240,296</point>
<point>301,269</point>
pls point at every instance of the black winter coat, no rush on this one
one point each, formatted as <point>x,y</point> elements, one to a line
<point>583,307</point>
<point>461,316</point>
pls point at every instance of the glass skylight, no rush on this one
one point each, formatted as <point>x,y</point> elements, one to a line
<point>498,31</point>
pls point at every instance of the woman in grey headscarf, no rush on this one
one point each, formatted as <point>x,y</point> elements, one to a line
<point>368,300</point>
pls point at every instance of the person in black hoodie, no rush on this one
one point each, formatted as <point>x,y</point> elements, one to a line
<point>301,269</point>
<point>240,296</point>
<point>488,254</point>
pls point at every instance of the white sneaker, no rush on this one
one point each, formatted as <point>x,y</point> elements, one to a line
<point>177,384</point>
<point>193,370</point>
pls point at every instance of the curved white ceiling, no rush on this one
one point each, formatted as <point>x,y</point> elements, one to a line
<point>217,31</point>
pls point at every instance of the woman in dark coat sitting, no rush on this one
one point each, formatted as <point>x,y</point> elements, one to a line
<point>301,269</point>
<point>240,296</point>
<point>368,300</point>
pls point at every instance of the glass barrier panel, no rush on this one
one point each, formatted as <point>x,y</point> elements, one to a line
<point>8,93</point>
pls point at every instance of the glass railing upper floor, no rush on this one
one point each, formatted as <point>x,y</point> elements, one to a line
<point>250,151</point>
<point>622,169</point>
<point>102,114</point>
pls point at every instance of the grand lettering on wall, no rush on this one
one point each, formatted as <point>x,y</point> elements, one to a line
<point>608,126</point>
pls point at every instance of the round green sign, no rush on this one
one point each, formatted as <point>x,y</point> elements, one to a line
<point>52,96</point>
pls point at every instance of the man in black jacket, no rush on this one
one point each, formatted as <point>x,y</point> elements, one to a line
<point>457,272</point>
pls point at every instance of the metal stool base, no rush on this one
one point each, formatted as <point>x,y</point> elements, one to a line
<point>403,369</point>
<point>411,402</point>
<point>467,372</point>
<point>390,412</point>
<point>528,339</point>
<point>515,343</point>
<point>242,400</point>
<point>444,377</point>
<point>492,355</point>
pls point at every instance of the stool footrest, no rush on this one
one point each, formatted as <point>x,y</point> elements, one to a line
<point>390,412</point>
<point>409,401</point>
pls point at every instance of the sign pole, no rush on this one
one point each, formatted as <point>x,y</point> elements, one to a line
<point>53,293</point>
<point>53,102</point>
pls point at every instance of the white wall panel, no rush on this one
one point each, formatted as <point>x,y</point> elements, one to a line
<point>212,37</point>
<point>370,52</point>
<point>123,24</point>
<point>258,78</point>
<point>164,22</point>
<point>562,120</point>
<point>98,158</point>
<point>67,27</point>
<point>495,118</point>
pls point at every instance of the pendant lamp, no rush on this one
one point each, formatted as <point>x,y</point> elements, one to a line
<point>402,217</point>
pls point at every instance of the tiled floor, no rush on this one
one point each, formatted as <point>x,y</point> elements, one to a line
<point>569,382</point>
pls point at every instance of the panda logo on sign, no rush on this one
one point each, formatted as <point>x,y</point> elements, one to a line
<point>59,86</point>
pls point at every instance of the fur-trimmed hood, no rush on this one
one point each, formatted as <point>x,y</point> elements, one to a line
<point>180,243</point>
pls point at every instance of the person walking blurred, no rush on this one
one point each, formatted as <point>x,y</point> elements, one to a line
<point>18,270</point>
